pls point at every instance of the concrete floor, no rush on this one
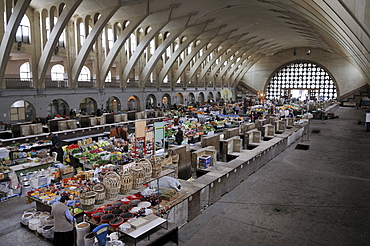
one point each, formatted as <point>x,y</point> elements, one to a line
<point>318,196</point>
<point>309,197</point>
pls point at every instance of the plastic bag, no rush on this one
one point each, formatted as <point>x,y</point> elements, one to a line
<point>166,182</point>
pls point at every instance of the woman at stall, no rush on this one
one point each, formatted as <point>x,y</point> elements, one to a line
<point>60,153</point>
<point>63,223</point>
<point>179,136</point>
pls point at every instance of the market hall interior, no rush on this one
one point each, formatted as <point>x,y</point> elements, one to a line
<point>71,59</point>
<point>301,197</point>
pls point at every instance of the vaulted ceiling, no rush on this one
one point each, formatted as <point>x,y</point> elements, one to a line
<point>255,28</point>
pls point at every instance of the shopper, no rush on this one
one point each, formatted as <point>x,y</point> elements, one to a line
<point>55,139</point>
<point>179,136</point>
<point>63,223</point>
<point>59,151</point>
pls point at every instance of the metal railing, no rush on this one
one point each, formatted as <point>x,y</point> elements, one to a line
<point>17,83</point>
<point>114,83</point>
<point>56,83</point>
<point>87,84</point>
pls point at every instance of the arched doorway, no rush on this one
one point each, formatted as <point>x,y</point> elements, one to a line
<point>151,101</point>
<point>201,97</point>
<point>21,111</point>
<point>191,97</point>
<point>179,99</point>
<point>113,105</point>
<point>133,103</point>
<point>301,81</point>
<point>166,100</point>
<point>218,96</point>
<point>210,97</point>
<point>58,107</point>
<point>88,106</point>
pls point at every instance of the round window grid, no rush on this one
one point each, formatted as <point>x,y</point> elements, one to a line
<point>308,75</point>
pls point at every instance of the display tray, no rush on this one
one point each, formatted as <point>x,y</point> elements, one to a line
<point>27,165</point>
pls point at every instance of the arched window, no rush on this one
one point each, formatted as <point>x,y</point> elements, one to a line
<point>23,31</point>
<point>302,80</point>
<point>57,73</point>
<point>82,33</point>
<point>25,72</point>
<point>84,74</point>
<point>22,111</point>
<point>110,37</point>
<point>132,43</point>
<point>48,26</point>
<point>152,46</point>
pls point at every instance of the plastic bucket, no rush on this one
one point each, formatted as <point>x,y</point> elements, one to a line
<point>34,182</point>
<point>25,189</point>
<point>42,180</point>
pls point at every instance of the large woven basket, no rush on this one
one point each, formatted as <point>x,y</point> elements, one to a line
<point>126,181</point>
<point>99,188</point>
<point>156,166</point>
<point>112,183</point>
<point>138,175</point>
<point>147,166</point>
<point>88,200</point>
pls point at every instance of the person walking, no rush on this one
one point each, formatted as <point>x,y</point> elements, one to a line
<point>63,223</point>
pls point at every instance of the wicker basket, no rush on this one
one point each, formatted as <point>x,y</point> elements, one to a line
<point>147,166</point>
<point>88,200</point>
<point>112,183</point>
<point>174,156</point>
<point>167,161</point>
<point>156,166</point>
<point>126,181</point>
<point>100,191</point>
<point>138,175</point>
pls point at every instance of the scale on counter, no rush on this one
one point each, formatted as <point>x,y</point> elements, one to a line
<point>101,233</point>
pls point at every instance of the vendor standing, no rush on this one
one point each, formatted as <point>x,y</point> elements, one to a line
<point>59,151</point>
<point>179,136</point>
<point>63,223</point>
<point>55,139</point>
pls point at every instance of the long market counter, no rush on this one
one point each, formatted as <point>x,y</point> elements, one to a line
<point>225,176</point>
<point>72,133</point>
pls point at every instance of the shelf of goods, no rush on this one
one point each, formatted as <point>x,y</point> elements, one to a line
<point>25,167</point>
<point>28,152</point>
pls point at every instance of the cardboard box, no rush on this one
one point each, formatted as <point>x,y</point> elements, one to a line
<point>66,169</point>
<point>138,222</point>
